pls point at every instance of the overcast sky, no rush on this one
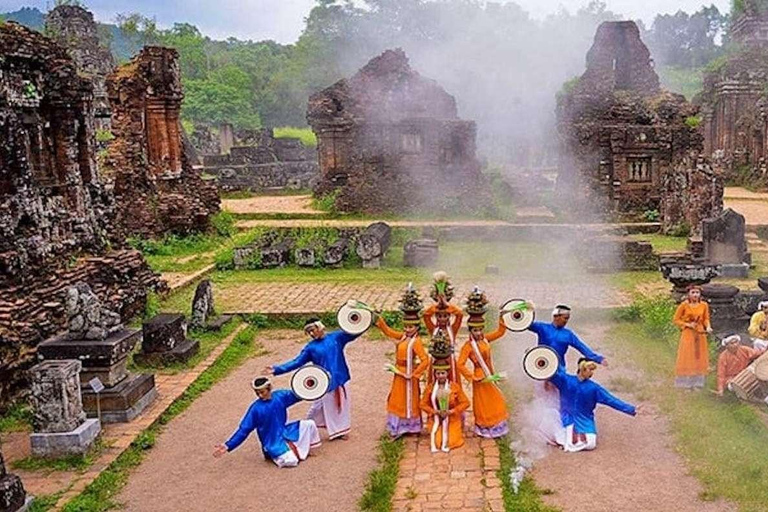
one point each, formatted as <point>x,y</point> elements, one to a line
<point>283,20</point>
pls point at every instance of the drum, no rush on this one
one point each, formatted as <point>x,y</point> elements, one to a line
<point>517,316</point>
<point>748,387</point>
<point>540,363</point>
<point>761,367</point>
<point>310,382</point>
<point>355,317</point>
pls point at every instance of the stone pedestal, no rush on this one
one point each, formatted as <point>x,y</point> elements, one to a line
<point>683,273</point>
<point>725,243</point>
<point>421,253</point>
<point>60,426</point>
<point>126,394</point>
<point>726,315</point>
<point>165,341</point>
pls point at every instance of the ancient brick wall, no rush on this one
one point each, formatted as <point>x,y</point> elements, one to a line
<point>391,140</point>
<point>157,191</point>
<point>268,163</point>
<point>54,209</point>
<point>622,135</point>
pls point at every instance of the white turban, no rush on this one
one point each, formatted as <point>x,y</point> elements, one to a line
<point>762,304</point>
<point>561,309</point>
<point>734,338</point>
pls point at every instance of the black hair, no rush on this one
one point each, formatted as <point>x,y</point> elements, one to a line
<point>260,381</point>
<point>311,320</point>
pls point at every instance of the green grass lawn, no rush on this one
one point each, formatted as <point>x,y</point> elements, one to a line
<point>663,243</point>
<point>723,441</point>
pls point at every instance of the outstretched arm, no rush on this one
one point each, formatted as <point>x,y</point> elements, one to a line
<point>345,337</point>
<point>247,425</point>
<point>388,331</point>
<point>303,358</point>
<point>605,398</point>
<point>582,347</point>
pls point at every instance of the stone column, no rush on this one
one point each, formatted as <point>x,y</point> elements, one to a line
<point>13,498</point>
<point>59,422</point>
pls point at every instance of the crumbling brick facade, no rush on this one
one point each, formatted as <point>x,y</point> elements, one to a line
<point>74,28</point>
<point>626,141</point>
<point>391,140</point>
<point>265,163</point>
<point>156,189</point>
<point>735,102</point>
<point>55,214</point>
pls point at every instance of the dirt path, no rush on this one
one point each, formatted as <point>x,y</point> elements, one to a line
<point>180,473</point>
<point>634,468</point>
<point>271,204</point>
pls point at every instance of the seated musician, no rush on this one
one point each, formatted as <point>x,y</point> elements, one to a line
<point>733,360</point>
<point>284,443</point>
<point>758,326</point>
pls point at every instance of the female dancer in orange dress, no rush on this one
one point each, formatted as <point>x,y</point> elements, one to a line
<point>692,317</point>
<point>403,411</point>
<point>438,317</point>
<point>444,401</point>
<point>488,402</point>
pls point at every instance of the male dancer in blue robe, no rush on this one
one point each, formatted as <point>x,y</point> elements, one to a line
<point>284,443</point>
<point>579,396</point>
<point>331,412</point>
<point>559,338</point>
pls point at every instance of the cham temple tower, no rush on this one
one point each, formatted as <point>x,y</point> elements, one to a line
<point>630,147</point>
<point>734,102</point>
<point>391,140</point>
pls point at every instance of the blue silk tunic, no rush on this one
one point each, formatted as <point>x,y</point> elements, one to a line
<point>326,352</point>
<point>560,338</point>
<point>268,418</point>
<point>578,399</point>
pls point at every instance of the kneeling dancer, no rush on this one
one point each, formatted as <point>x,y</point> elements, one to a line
<point>331,412</point>
<point>579,395</point>
<point>444,401</point>
<point>488,402</point>
<point>403,411</point>
<point>284,443</point>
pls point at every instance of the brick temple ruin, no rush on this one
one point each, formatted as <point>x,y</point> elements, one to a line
<point>629,146</point>
<point>391,140</point>
<point>735,104</point>
<point>256,160</point>
<point>56,216</point>
<point>74,29</point>
<point>156,188</point>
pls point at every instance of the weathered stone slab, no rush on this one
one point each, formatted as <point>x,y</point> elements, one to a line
<point>202,304</point>
<point>422,252</point>
<point>724,239</point>
<point>181,353</point>
<point>109,375</point>
<point>92,353</point>
<point>61,444</point>
<point>123,402</point>
<point>163,332</point>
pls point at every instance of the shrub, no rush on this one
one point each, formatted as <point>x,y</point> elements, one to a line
<point>224,224</point>
<point>651,215</point>
<point>693,121</point>
<point>305,135</point>
<point>326,203</point>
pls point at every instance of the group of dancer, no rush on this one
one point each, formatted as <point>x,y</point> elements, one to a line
<point>441,365</point>
<point>692,317</point>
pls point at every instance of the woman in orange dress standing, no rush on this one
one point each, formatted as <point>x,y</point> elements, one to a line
<point>403,410</point>
<point>692,317</point>
<point>443,401</point>
<point>488,402</point>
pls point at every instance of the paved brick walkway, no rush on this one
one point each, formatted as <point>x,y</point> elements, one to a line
<point>117,437</point>
<point>271,298</point>
<point>464,479</point>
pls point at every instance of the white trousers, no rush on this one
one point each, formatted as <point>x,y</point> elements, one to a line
<point>309,438</point>
<point>565,439</point>
<point>332,412</point>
